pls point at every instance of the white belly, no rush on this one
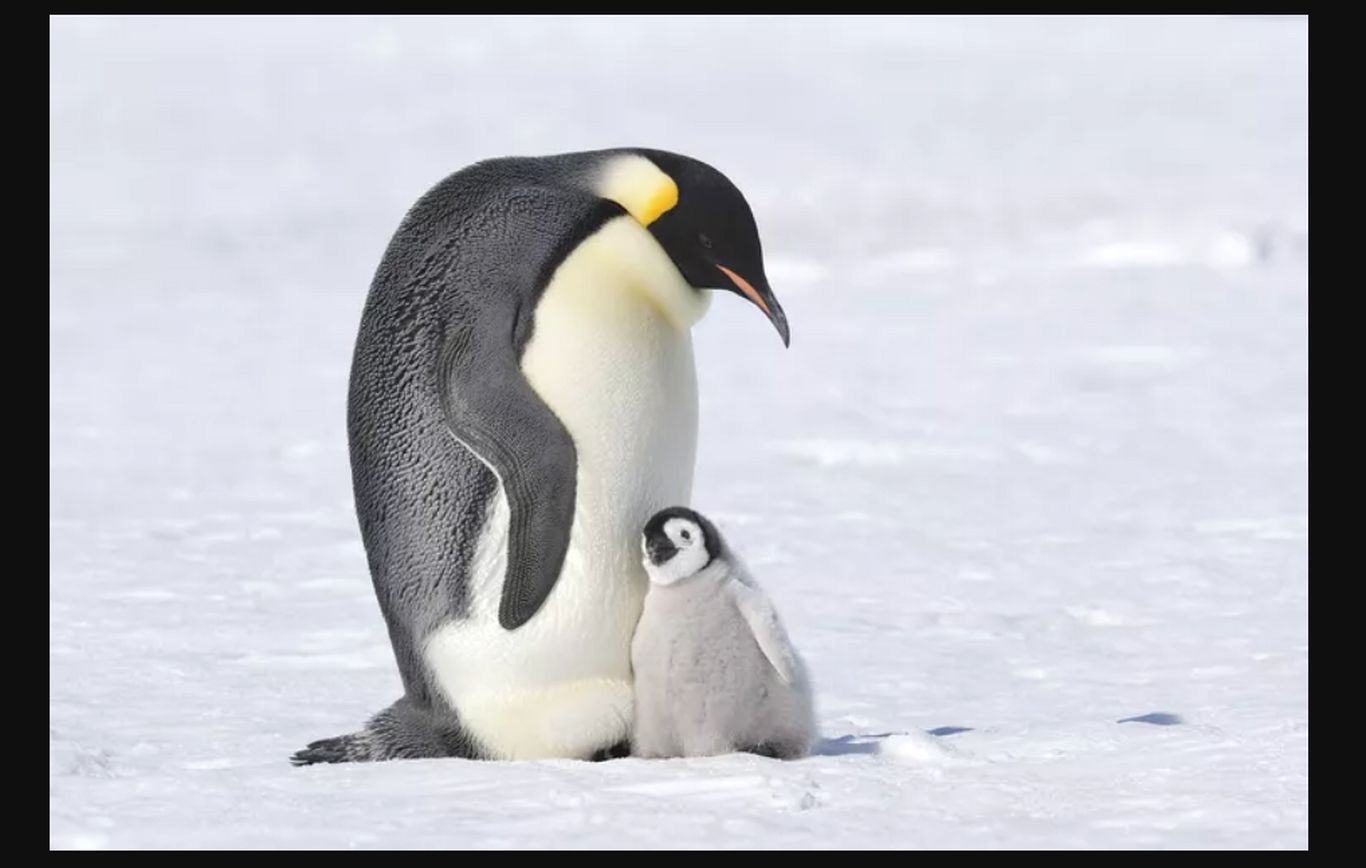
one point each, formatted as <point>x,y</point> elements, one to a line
<point>611,354</point>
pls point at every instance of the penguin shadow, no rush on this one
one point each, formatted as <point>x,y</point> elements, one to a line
<point>871,743</point>
<point>1156,718</point>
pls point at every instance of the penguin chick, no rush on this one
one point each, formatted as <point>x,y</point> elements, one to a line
<point>714,670</point>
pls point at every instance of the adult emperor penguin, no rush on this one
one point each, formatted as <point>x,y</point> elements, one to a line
<point>522,400</point>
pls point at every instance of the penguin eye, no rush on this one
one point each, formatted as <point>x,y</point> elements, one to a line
<point>704,240</point>
<point>685,535</point>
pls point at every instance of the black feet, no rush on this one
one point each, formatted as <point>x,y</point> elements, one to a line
<point>621,750</point>
<point>773,751</point>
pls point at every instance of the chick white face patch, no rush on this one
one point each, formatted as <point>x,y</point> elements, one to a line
<point>689,555</point>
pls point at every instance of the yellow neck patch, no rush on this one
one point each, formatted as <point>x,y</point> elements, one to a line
<point>639,186</point>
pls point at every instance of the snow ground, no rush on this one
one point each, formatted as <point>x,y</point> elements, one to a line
<point>1030,487</point>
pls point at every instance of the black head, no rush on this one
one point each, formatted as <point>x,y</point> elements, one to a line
<point>681,541</point>
<point>711,236</point>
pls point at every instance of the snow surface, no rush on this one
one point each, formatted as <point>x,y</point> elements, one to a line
<point>1030,487</point>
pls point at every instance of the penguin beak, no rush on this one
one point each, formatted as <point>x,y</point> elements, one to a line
<point>659,550</point>
<point>763,298</point>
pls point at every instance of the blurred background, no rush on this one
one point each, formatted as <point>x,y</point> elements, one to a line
<point>1035,462</point>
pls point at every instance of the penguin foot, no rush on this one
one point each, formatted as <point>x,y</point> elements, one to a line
<point>620,750</point>
<point>775,750</point>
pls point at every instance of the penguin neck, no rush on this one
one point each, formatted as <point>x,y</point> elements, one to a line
<point>713,574</point>
<point>629,256</point>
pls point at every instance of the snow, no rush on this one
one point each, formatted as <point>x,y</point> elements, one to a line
<point>1030,488</point>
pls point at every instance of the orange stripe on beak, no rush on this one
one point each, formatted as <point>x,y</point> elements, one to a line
<point>748,290</point>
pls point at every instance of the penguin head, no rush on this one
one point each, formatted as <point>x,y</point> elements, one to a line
<point>679,543</point>
<point>703,223</point>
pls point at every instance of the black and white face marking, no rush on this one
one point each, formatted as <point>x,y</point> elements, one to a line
<point>678,543</point>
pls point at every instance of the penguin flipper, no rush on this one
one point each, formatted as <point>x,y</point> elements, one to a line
<point>492,409</point>
<point>758,611</point>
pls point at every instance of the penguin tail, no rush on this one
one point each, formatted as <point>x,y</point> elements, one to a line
<point>404,730</point>
<point>351,748</point>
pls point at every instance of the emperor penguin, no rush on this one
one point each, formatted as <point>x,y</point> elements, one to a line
<point>522,400</point>
<point>715,671</point>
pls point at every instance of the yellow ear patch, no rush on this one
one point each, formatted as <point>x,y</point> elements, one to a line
<point>639,186</point>
<point>664,198</point>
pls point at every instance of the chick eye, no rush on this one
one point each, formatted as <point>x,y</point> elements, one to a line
<point>704,240</point>
<point>686,535</point>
